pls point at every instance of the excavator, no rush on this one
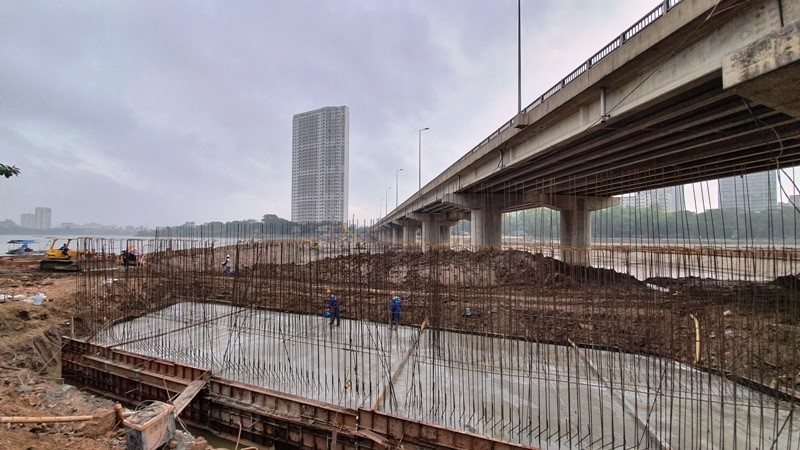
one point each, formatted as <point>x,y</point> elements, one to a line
<point>73,255</point>
<point>351,239</point>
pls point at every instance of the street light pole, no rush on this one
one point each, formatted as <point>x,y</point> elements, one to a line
<point>396,189</point>
<point>519,56</point>
<point>386,197</point>
<point>420,157</point>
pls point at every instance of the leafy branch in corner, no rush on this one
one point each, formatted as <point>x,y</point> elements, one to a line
<point>8,171</point>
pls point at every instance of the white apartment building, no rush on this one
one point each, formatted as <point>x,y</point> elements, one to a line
<point>753,192</point>
<point>320,164</point>
<point>27,220</point>
<point>43,218</point>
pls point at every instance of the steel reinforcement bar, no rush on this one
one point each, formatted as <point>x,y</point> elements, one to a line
<point>258,415</point>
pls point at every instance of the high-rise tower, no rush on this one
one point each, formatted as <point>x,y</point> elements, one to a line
<point>753,192</point>
<point>42,218</point>
<point>320,164</point>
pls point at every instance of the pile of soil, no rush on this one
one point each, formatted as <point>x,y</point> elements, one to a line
<point>30,378</point>
<point>30,383</point>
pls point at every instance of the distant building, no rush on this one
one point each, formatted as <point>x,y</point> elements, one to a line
<point>669,199</point>
<point>320,164</point>
<point>43,218</point>
<point>752,192</point>
<point>7,225</point>
<point>27,220</point>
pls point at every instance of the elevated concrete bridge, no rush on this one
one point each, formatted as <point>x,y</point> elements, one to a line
<point>695,91</point>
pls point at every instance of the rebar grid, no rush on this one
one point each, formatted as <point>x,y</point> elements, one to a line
<point>671,339</point>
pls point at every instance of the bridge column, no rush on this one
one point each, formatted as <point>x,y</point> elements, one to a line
<point>576,222</point>
<point>430,233</point>
<point>397,236</point>
<point>436,228</point>
<point>444,233</point>
<point>410,235</point>
<point>576,236</point>
<point>485,215</point>
<point>486,224</point>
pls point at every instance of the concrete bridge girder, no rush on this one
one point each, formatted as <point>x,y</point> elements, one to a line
<point>767,71</point>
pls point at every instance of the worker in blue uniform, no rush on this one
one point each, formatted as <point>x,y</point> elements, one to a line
<point>396,305</point>
<point>333,307</point>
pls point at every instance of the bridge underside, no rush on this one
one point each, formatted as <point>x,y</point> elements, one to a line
<point>686,97</point>
<point>700,132</point>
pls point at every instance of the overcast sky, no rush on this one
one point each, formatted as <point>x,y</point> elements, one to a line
<point>156,113</point>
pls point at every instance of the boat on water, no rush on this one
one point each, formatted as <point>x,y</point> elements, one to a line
<point>23,247</point>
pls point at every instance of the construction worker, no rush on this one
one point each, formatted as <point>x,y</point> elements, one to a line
<point>228,266</point>
<point>396,305</point>
<point>333,307</point>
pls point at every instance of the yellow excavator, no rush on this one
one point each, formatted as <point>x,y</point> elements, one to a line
<point>349,238</point>
<point>73,255</point>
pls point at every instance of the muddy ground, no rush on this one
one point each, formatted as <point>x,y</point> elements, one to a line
<point>30,380</point>
<point>748,331</point>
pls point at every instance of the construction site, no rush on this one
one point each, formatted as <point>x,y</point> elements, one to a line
<point>655,345</point>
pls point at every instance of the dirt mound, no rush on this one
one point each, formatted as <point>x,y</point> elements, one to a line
<point>489,267</point>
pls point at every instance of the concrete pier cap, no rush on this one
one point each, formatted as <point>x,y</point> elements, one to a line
<point>576,223</point>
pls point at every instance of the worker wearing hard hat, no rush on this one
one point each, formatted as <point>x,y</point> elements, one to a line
<point>333,307</point>
<point>395,306</point>
<point>228,266</point>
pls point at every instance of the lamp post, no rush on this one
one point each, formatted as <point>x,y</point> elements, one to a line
<point>386,197</point>
<point>396,189</point>
<point>420,157</point>
<point>519,56</point>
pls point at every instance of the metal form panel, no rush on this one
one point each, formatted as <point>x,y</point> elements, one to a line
<point>257,415</point>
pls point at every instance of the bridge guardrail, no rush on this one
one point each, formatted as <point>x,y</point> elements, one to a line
<point>633,30</point>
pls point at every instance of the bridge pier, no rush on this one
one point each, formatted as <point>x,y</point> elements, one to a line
<point>435,228</point>
<point>397,236</point>
<point>444,230</point>
<point>486,225</point>
<point>576,219</point>
<point>410,228</point>
<point>485,216</point>
<point>576,236</point>
<point>576,222</point>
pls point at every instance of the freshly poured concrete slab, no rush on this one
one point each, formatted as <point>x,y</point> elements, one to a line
<point>541,395</point>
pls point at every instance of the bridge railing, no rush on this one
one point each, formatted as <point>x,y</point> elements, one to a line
<point>633,30</point>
